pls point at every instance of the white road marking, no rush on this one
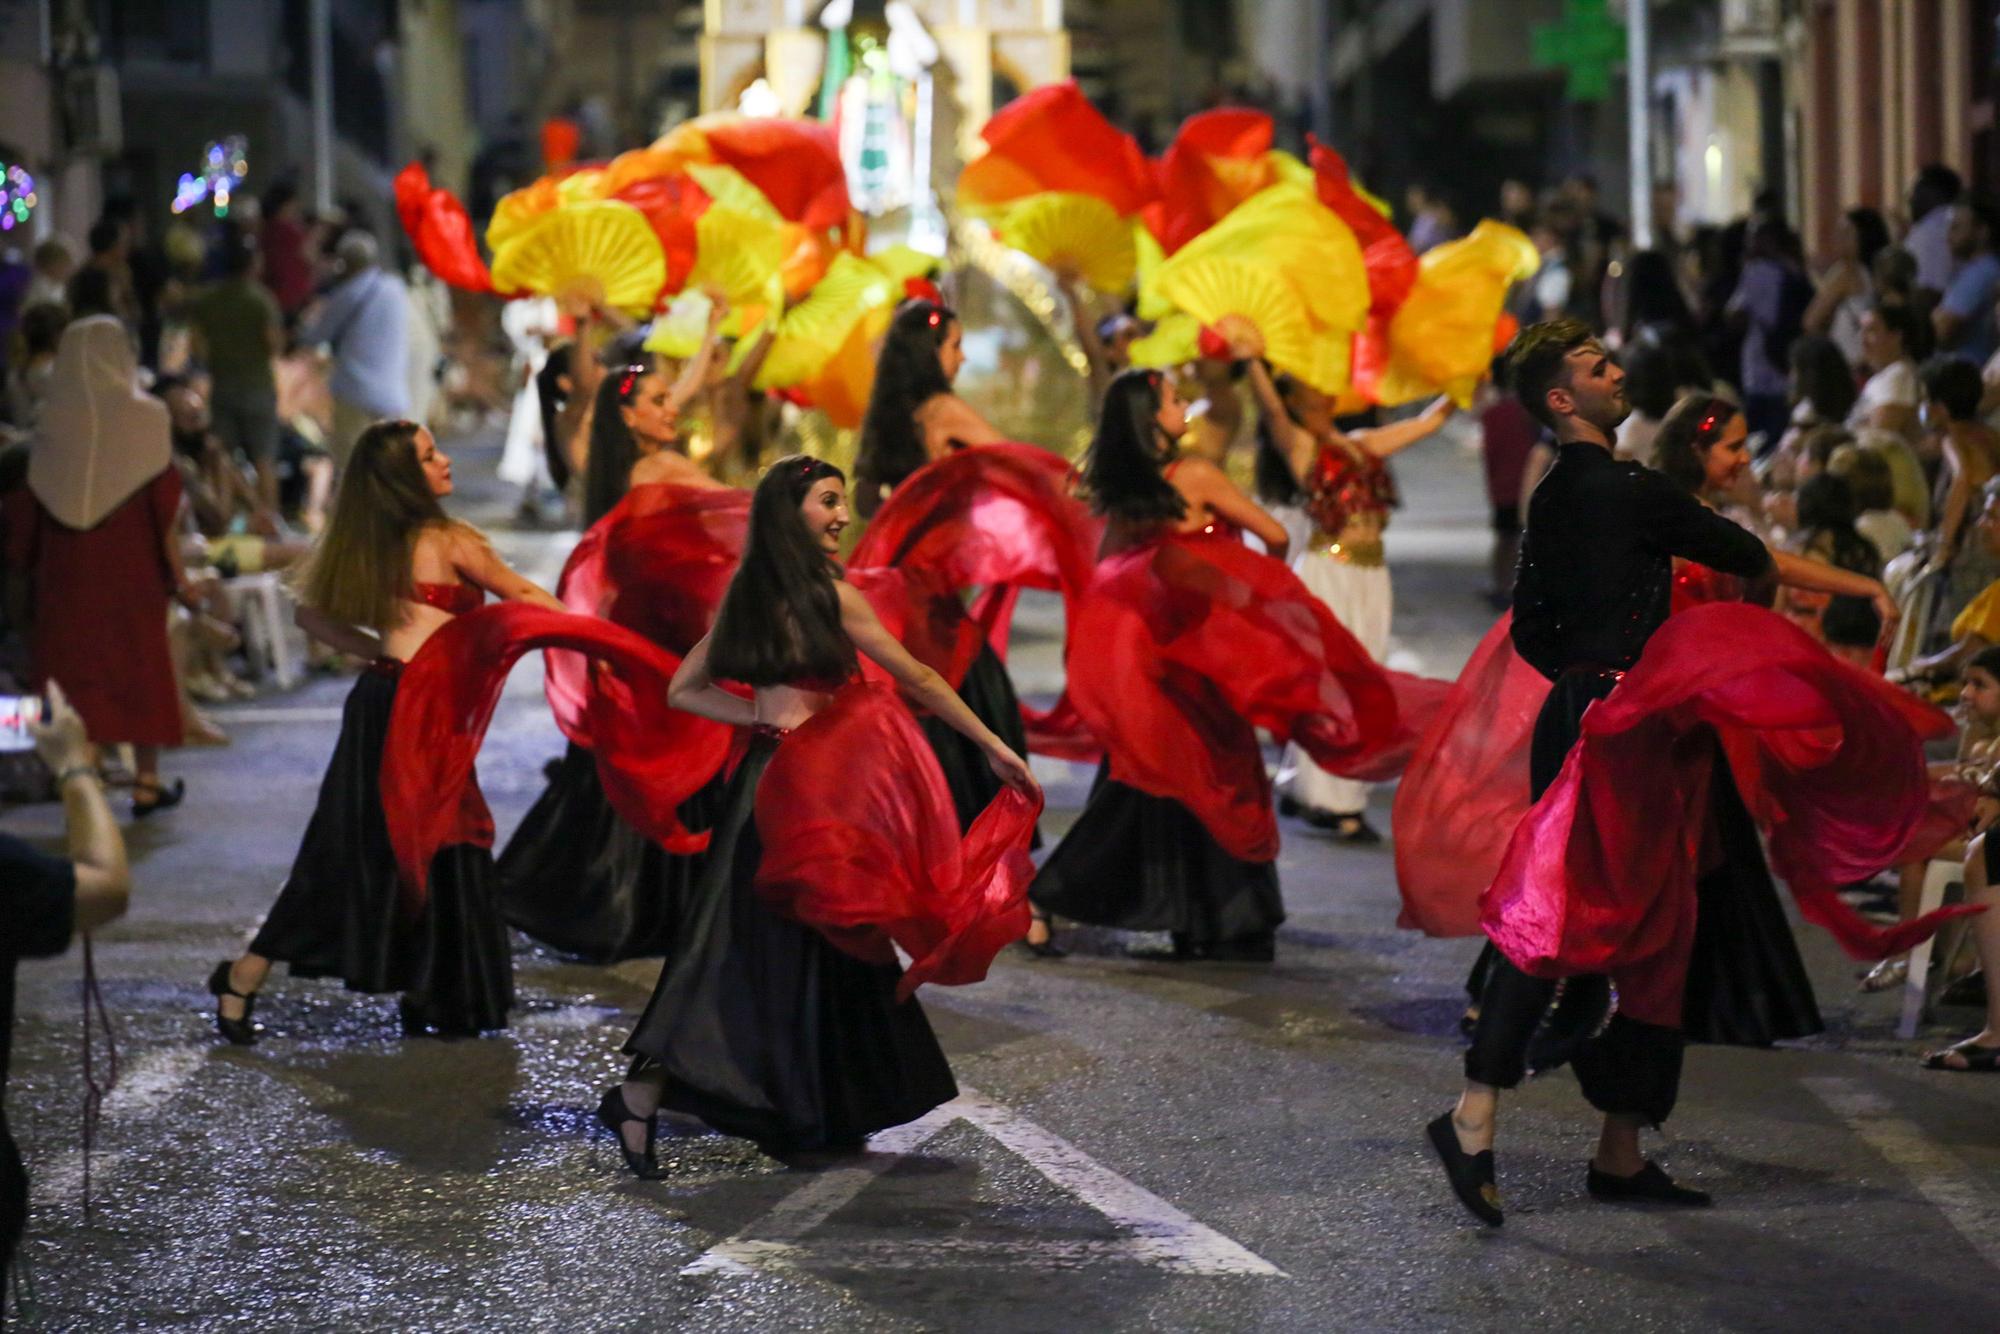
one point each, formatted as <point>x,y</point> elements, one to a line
<point>1940,1176</point>
<point>1160,1234</point>
<point>145,1085</point>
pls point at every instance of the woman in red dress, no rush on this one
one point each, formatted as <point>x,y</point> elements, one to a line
<point>389,573</point>
<point>93,532</point>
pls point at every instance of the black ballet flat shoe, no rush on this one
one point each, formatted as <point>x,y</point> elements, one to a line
<point>1649,1185</point>
<point>162,798</point>
<point>614,1116</point>
<point>1290,808</point>
<point>1470,1174</point>
<point>1351,828</point>
<point>240,1032</point>
<point>1046,949</point>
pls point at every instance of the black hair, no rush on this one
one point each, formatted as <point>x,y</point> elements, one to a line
<point>1936,186</point>
<point>1987,660</point>
<point>90,293</point>
<point>1985,216</point>
<point>1537,362</point>
<point>1272,471</point>
<point>104,235</point>
<point>42,325</point>
<point>1870,231</point>
<point>551,398</point>
<point>1851,622</point>
<point>1693,424</point>
<point>1953,385</point>
<point>1824,378</point>
<point>239,252</point>
<point>780,619</point>
<point>1653,294</point>
<point>279,195</point>
<point>1907,324</point>
<point>607,475</point>
<point>1123,471</point>
<point>1826,526</point>
<point>907,375</point>
<point>1652,377</point>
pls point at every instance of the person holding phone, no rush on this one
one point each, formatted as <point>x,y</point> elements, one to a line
<point>45,900</point>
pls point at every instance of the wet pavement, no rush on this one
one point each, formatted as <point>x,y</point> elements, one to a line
<point>1139,1146</point>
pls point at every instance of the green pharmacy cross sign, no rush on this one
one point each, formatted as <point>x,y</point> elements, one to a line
<point>1587,42</point>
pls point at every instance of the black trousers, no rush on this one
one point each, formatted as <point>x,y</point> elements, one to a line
<point>1631,1068</point>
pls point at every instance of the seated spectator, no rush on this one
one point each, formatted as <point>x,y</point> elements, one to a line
<point>1963,320</point>
<point>1895,273</point>
<point>1981,1051</point>
<point>1876,516</point>
<point>1977,627</point>
<point>1826,527</point>
<point>1847,288</point>
<point>1893,338</point>
<point>1852,630</point>
<point>1971,452</point>
<point>1822,394</point>
<point>45,900</point>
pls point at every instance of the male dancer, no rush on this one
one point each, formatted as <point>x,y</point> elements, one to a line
<point>1593,586</point>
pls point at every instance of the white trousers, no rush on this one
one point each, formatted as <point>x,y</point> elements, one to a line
<point>1360,598</point>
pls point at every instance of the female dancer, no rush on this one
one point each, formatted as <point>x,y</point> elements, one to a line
<point>1134,860</point>
<point>389,571</point>
<point>914,417</point>
<point>762,1026</point>
<point>575,875</point>
<point>1348,494</point>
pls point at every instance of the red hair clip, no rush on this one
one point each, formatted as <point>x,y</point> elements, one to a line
<point>631,376</point>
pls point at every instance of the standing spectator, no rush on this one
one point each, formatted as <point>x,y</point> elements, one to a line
<point>1654,306</point>
<point>1932,194</point>
<point>55,265</point>
<point>28,382</point>
<point>149,274</point>
<point>1847,288</point>
<point>1770,303</point>
<point>93,534</point>
<point>288,269</point>
<point>236,324</point>
<point>1517,203</point>
<point>1507,436</point>
<point>365,319</point>
<point>109,264</point>
<point>1432,221</point>
<point>45,900</point>
<point>1963,320</point>
<point>1551,287</point>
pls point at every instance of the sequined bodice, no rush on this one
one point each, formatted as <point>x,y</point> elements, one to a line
<point>1345,486</point>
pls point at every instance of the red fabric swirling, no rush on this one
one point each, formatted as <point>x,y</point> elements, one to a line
<point>1193,643</point>
<point>998,517</point>
<point>860,842</point>
<point>440,231</point>
<point>1217,160</point>
<point>650,757</point>
<point>1600,875</point>
<point>796,163</point>
<point>1052,138</point>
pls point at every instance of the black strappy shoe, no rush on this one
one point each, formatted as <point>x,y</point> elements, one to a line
<point>1044,949</point>
<point>614,1116</point>
<point>240,1032</point>
<point>163,798</point>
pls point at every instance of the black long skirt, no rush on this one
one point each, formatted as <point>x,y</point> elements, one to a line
<point>767,1031</point>
<point>1746,983</point>
<point>1145,863</point>
<point>989,692</point>
<point>339,914</point>
<point>579,879</point>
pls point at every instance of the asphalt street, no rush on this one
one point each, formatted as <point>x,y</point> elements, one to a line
<point>1140,1145</point>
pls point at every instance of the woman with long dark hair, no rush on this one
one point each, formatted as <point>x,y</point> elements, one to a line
<point>1199,863</point>
<point>1655,306</point>
<point>913,416</point>
<point>1846,289</point>
<point>765,1027</point>
<point>575,875</point>
<point>390,570</point>
<point>1348,494</point>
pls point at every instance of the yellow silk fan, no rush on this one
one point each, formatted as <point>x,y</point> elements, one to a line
<point>583,186</point>
<point>1221,291</point>
<point>901,262</point>
<point>1175,340</point>
<point>517,210</point>
<point>736,254</point>
<point>1332,368</point>
<point>602,253</point>
<point>1146,247</point>
<point>679,329</point>
<point>731,189</point>
<point>1441,339</point>
<point>813,331</point>
<point>1288,230</point>
<point>1077,235</point>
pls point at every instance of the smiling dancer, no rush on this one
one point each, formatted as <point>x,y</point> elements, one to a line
<point>390,570</point>
<point>780,1017</point>
<point>1594,584</point>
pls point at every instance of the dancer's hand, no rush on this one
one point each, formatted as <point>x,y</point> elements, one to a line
<point>1886,608</point>
<point>1012,770</point>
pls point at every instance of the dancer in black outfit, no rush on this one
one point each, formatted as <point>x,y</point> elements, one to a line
<point>574,875</point>
<point>759,1025</point>
<point>1594,583</point>
<point>390,569</point>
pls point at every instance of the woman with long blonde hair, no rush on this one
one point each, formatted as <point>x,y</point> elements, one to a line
<point>390,570</point>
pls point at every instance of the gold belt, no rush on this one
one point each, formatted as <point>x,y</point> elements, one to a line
<point>1365,552</point>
